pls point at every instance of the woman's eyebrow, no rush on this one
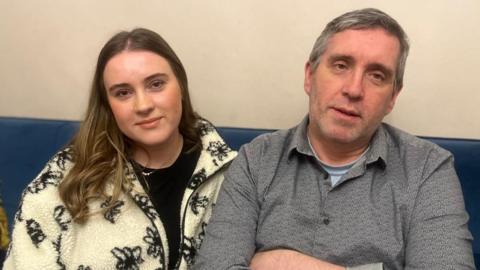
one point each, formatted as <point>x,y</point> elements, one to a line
<point>118,85</point>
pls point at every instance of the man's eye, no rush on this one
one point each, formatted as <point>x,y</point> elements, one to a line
<point>377,76</point>
<point>340,66</point>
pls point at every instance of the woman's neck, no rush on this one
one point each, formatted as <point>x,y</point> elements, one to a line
<point>159,156</point>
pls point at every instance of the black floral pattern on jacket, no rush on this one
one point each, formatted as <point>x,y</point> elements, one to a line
<point>62,217</point>
<point>35,232</point>
<point>48,177</point>
<point>191,245</point>
<point>218,150</point>
<point>197,179</point>
<point>62,157</point>
<point>58,246</point>
<point>112,213</point>
<point>144,203</point>
<point>205,128</point>
<point>197,202</point>
<point>128,258</point>
<point>152,238</point>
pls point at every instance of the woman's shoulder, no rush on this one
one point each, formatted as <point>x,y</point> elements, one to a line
<point>42,191</point>
<point>53,172</point>
<point>204,126</point>
<point>40,209</point>
<point>208,132</point>
<point>213,142</point>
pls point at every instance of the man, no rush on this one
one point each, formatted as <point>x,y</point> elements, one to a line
<point>343,190</point>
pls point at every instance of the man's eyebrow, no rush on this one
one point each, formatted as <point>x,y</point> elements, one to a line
<point>340,57</point>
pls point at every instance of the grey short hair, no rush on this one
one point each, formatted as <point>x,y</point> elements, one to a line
<point>367,18</point>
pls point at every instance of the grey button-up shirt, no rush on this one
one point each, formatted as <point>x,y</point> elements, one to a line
<point>401,205</point>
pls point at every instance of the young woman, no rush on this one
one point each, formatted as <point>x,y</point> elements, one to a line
<point>136,186</point>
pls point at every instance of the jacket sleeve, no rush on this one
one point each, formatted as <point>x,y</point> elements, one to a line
<point>230,236</point>
<point>40,225</point>
<point>438,236</point>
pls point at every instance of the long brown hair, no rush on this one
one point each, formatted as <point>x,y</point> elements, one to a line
<point>100,150</point>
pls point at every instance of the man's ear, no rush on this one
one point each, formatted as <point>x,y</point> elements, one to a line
<point>307,83</point>
<point>392,101</point>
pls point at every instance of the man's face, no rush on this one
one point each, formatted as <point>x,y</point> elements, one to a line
<point>352,88</point>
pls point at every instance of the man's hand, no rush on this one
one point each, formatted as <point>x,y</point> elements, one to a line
<point>284,259</point>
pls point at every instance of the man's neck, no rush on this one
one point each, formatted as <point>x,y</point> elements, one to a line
<point>336,153</point>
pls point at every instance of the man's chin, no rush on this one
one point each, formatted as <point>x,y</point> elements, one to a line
<point>344,136</point>
<point>339,133</point>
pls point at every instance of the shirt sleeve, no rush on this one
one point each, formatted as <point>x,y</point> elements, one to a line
<point>230,236</point>
<point>438,236</point>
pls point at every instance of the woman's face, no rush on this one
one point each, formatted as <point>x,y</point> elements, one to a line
<point>145,97</point>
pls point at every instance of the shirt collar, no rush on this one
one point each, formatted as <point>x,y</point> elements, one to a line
<point>376,153</point>
<point>299,141</point>
<point>378,147</point>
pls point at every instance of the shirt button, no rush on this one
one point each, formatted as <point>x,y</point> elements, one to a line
<point>326,221</point>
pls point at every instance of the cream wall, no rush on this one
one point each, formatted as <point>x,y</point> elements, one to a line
<point>244,58</point>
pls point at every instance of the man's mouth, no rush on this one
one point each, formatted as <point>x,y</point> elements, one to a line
<point>347,112</point>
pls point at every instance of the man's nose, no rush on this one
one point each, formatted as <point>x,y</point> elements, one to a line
<point>353,87</point>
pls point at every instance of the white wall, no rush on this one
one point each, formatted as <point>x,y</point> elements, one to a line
<point>244,58</point>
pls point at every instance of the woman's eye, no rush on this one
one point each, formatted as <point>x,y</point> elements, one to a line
<point>157,84</point>
<point>122,93</point>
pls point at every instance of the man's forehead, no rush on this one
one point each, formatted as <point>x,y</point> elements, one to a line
<point>371,45</point>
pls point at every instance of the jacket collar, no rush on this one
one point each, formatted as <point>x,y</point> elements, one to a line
<point>215,154</point>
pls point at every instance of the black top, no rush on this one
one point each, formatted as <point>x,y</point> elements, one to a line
<point>166,187</point>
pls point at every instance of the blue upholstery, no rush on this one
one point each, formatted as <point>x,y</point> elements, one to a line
<point>27,144</point>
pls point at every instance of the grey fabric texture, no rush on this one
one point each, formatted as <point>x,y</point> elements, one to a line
<point>376,266</point>
<point>401,206</point>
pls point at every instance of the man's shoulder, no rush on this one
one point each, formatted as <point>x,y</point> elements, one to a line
<point>267,151</point>
<point>271,142</point>
<point>412,147</point>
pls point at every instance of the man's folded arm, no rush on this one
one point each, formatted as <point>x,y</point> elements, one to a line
<point>282,259</point>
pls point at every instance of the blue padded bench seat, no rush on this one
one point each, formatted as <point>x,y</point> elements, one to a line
<point>27,144</point>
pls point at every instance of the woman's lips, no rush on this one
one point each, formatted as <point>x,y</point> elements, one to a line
<point>149,123</point>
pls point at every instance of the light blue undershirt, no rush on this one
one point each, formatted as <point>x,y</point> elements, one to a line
<point>336,172</point>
